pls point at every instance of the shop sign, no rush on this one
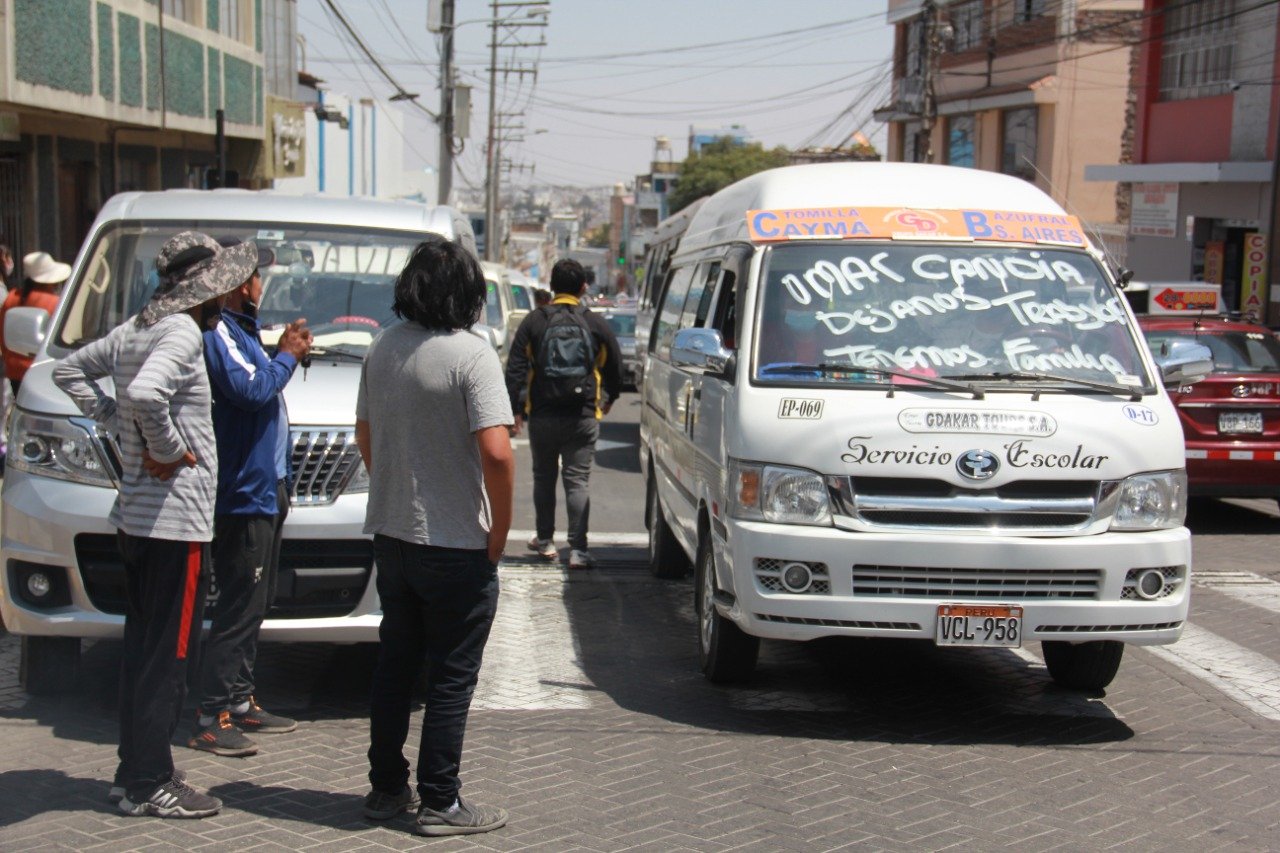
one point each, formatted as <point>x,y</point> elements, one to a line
<point>1253,283</point>
<point>1154,212</point>
<point>1215,259</point>
<point>1180,298</point>
<point>286,139</point>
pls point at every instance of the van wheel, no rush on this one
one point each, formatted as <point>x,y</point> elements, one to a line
<point>726,653</point>
<point>49,665</point>
<point>667,559</point>
<point>1083,666</point>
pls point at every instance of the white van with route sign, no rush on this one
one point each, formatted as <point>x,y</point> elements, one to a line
<point>899,400</point>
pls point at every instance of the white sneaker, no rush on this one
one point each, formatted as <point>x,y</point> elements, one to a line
<point>544,548</point>
<point>580,559</point>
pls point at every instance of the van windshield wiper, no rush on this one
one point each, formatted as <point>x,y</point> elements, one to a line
<point>1134,394</point>
<point>836,367</point>
<point>338,353</point>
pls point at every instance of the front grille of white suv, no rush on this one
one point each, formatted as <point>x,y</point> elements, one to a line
<point>324,459</point>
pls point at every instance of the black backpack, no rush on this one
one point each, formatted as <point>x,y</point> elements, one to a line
<point>566,357</point>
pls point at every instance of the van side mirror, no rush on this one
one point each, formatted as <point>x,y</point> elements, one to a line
<point>25,329</point>
<point>1183,362</point>
<point>700,349</point>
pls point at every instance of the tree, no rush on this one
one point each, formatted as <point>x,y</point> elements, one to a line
<point>598,237</point>
<point>719,164</point>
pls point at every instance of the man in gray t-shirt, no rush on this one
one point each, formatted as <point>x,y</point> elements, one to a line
<point>431,423</point>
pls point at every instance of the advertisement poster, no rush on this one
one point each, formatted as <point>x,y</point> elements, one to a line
<point>1254,281</point>
<point>1215,259</point>
<point>1155,210</point>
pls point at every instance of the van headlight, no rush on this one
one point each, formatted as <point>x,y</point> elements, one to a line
<point>63,448</point>
<point>1154,501</point>
<point>778,494</point>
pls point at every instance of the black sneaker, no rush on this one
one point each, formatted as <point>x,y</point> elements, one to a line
<point>257,719</point>
<point>462,819</point>
<point>222,738</point>
<point>379,805</point>
<point>117,792</point>
<point>172,799</point>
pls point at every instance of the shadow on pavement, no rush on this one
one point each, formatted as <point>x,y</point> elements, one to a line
<point>307,805</point>
<point>637,644</point>
<point>617,447</point>
<point>30,793</point>
<point>1212,516</point>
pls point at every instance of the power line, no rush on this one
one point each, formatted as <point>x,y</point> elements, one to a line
<point>401,92</point>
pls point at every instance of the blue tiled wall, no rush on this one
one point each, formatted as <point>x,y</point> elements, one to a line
<point>106,54</point>
<point>130,36</point>
<point>153,66</point>
<point>183,75</point>
<point>238,89</point>
<point>212,14</point>
<point>215,81</point>
<point>51,39</point>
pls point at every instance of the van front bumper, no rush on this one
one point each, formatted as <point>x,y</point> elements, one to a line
<point>935,562</point>
<point>42,519</point>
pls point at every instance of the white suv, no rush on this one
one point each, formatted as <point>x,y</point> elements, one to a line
<point>336,260</point>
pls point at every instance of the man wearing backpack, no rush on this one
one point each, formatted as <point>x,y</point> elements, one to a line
<point>569,359</point>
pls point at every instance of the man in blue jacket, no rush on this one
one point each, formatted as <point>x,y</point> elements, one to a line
<point>252,430</point>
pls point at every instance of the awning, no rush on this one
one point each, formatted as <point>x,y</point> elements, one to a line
<point>1232,172</point>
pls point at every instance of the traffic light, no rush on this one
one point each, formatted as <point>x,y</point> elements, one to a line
<point>622,253</point>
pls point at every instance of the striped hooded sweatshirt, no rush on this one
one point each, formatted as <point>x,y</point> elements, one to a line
<point>162,404</point>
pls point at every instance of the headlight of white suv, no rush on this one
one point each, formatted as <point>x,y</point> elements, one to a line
<point>778,494</point>
<point>63,448</point>
<point>1151,501</point>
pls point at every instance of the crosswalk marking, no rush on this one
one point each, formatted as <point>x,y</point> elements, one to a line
<point>1243,586</point>
<point>1249,678</point>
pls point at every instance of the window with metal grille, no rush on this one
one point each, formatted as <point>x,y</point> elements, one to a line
<point>1018,156</point>
<point>1198,50</point>
<point>960,139</point>
<point>966,20</point>
<point>1028,10</point>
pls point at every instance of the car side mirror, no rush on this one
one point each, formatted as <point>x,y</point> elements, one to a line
<point>25,330</point>
<point>700,349</point>
<point>1183,362</point>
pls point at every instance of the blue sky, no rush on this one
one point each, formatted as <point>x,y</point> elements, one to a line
<point>617,73</point>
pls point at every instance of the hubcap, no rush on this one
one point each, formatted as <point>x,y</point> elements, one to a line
<point>708,614</point>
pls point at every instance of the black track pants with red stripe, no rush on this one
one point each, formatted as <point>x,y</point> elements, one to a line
<point>167,584</point>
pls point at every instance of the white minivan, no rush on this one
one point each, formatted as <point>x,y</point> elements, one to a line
<point>901,400</point>
<point>335,263</point>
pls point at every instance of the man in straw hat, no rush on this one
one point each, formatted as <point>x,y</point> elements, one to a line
<point>164,510</point>
<point>42,278</point>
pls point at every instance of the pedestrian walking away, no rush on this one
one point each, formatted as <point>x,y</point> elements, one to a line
<point>163,510</point>
<point>251,425</point>
<point>568,358</point>
<point>42,279</point>
<point>432,425</point>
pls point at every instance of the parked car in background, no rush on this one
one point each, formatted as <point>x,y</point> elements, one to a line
<point>622,320</point>
<point>499,302</point>
<point>522,288</point>
<point>336,261</point>
<point>1231,420</point>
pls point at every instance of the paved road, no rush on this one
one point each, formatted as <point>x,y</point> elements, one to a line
<point>594,728</point>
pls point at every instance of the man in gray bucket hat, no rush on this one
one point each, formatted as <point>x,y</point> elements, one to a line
<point>160,416</point>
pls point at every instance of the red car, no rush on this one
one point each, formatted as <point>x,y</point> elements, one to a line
<point>1231,419</point>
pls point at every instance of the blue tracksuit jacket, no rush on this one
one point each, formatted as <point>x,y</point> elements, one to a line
<point>249,418</point>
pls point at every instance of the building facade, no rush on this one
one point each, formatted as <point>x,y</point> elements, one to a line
<point>105,96</point>
<point>1033,88</point>
<point>1202,166</point>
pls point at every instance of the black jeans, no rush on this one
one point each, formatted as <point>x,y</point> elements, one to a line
<point>437,605</point>
<point>246,560</point>
<point>166,589</point>
<point>564,446</point>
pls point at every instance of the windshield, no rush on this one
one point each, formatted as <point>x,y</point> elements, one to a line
<point>1233,352</point>
<point>623,325</point>
<point>339,279</point>
<point>492,305</point>
<point>520,297</point>
<point>941,311</point>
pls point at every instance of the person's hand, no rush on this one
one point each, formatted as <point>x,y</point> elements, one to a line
<point>296,339</point>
<point>518,426</point>
<point>608,404</point>
<point>496,547</point>
<point>165,470</point>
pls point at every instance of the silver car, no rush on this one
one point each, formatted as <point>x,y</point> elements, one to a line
<point>336,260</point>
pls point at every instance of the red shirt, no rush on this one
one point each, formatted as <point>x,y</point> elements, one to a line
<point>16,364</point>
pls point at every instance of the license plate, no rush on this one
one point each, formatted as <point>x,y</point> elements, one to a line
<point>1240,422</point>
<point>979,625</point>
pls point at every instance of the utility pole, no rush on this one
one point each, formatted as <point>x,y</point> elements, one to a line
<point>444,175</point>
<point>934,37</point>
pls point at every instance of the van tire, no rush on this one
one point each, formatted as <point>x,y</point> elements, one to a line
<point>725,652</point>
<point>667,560</point>
<point>1083,666</point>
<point>49,665</point>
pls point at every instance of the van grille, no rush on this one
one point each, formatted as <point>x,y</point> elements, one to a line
<point>323,461</point>
<point>974,584</point>
<point>1024,506</point>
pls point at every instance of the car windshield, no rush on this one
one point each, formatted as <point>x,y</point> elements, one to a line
<point>1233,352</point>
<point>623,325</point>
<point>974,312</point>
<point>492,304</point>
<point>520,297</point>
<point>339,279</point>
